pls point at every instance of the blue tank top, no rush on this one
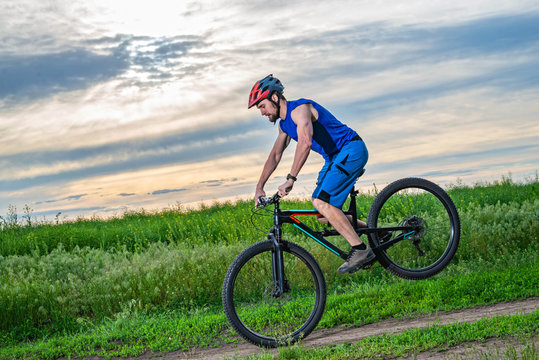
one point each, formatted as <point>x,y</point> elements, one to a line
<point>329,134</point>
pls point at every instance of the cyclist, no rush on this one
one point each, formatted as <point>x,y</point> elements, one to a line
<point>344,152</point>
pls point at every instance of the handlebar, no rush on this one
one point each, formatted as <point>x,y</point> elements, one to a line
<point>265,201</point>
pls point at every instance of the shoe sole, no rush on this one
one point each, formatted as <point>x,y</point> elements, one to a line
<point>359,266</point>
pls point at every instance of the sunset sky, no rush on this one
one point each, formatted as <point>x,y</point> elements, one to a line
<point>112,105</point>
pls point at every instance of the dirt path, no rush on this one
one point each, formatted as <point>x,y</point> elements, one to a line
<point>490,349</point>
<point>353,334</point>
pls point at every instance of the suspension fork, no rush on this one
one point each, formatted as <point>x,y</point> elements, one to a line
<point>277,259</point>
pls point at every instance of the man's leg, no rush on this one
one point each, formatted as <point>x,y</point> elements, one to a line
<point>335,181</point>
<point>325,221</point>
<point>339,221</point>
<point>361,254</point>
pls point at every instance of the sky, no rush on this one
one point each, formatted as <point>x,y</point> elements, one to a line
<point>109,106</point>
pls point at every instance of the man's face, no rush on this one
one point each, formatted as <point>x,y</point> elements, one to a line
<point>267,108</point>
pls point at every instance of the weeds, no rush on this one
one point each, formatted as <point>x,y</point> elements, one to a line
<point>118,277</point>
<point>221,223</point>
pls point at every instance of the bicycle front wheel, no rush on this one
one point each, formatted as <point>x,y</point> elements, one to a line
<point>252,306</point>
<point>429,231</point>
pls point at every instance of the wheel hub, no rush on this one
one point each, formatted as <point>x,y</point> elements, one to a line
<point>419,226</point>
<point>272,296</point>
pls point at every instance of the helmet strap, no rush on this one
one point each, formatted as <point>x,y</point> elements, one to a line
<point>277,104</point>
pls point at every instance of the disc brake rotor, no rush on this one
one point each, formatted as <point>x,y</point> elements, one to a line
<point>272,299</point>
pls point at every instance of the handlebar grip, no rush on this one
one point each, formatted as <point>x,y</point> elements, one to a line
<point>262,201</point>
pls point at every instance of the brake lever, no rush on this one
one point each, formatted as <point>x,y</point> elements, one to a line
<point>262,202</point>
<point>265,201</point>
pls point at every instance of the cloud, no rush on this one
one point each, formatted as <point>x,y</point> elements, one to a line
<point>72,197</point>
<point>158,60</point>
<point>422,84</point>
<point>32,77</point>
<point>28,169</point>
<point>382,60</point>
<point>220,182</point>
<point>166,191</point>
<point>465,163</point>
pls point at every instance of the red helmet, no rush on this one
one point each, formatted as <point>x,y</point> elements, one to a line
<point>264,88</point>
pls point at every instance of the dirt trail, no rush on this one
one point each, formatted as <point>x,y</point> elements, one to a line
<point>353,334</point>
<point>490,349</point>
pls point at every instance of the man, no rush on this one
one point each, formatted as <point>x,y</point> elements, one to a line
<point>345,154</point>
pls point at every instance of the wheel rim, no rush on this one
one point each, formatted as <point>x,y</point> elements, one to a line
<point>430,229</point>
<point>275,319</point>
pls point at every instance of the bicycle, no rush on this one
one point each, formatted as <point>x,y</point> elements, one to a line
<point>274,292</point>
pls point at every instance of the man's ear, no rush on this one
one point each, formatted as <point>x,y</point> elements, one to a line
<point>274,97</point>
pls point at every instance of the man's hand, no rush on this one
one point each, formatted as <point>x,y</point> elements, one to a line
<point>259,193</point>
<point>285,188</point>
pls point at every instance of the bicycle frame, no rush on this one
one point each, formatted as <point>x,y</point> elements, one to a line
<point>275,291</point>
<point>281,217</point>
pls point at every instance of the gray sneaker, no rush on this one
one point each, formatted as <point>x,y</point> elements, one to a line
<point>356,260</point>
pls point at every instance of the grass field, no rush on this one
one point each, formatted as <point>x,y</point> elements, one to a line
<point>142,281</point>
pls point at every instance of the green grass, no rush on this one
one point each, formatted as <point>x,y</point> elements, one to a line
<point>217,224</point>
<point>131,332</point>
<point>130,283</point>
<point>59,289</point>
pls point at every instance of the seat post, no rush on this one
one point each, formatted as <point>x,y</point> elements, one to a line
<point>352,208</point>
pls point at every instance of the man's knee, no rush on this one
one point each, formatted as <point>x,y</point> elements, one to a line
<point>319,204</point>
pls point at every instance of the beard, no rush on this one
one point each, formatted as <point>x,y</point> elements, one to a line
<point>273,118</point>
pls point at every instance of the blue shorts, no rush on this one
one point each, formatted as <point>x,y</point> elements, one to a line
<point>340,173</point>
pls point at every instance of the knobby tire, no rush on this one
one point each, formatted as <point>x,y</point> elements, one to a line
<point>259,317</point>
<point>424,253</point>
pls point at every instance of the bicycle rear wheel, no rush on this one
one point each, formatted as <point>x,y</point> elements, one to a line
<point>430,228</point>
<point>254,310</point>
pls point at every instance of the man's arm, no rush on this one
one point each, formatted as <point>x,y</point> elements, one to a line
<point>302,117</point>
<point>273,160</point>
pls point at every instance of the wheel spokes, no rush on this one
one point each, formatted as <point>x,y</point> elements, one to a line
<point>266,314</point>
<point>428,228</point>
